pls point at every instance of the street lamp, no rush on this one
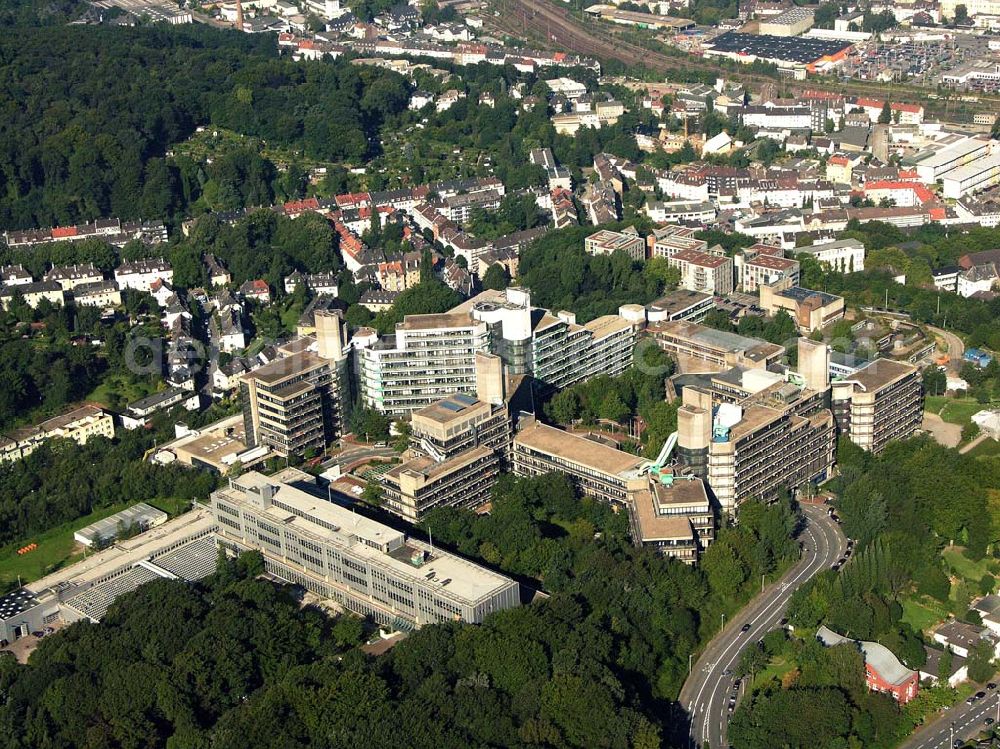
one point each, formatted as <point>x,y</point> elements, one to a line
<point>723,621</point>
<point>690,655</point>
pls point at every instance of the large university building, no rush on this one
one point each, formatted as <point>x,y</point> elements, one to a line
<point>369,568</point>
<point>297,401</point>
<point>880,402</point>
<point>433,356</point>
<point>752,432</point>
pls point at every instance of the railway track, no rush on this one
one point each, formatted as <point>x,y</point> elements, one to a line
<point>554,26</point>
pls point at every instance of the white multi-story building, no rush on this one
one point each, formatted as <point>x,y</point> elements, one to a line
<point>771,116</point>
<point>432,356</point>
<point>975,176</point>
<point>605,242</point>
<point>767,269</point>
<point>71,276</point>
<point>844,255</point>
<point>427,358</point>
<point>141,274</point>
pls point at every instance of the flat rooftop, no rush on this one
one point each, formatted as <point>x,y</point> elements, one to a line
<point>720,340</point>
<point>579,450</point>
<point>606,325</point>
<point>339,526</point>
<point>786,48</point>
<point>128,552</point>
<point>139,514</point>
<point>678,301</point>
<point>214,442</point>
<point>453,408</point>
<point>801,294</point>
<point>882,372</point>
<point>288,366</point>
<point>440,320</point>
<point>432,469</point>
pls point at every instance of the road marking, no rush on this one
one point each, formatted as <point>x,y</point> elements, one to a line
<point>765,605</point>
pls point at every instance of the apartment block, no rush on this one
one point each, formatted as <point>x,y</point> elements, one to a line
<point>767,269</point>
<point>700,271</point>
<point>141,274</point>
<point>79,425</point>
<point>71,276</point>
<point>672,514</point>
<point>845,255</point>
<point>596,469</point>
<point>881,402</point>
<point>669,240</point>
<point>605,242</point>
<point>369,568</point>
<point>297,402</point>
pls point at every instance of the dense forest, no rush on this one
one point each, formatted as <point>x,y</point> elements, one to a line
<point>235,662</point>
<point>61,481</point>
<point>91,113</point>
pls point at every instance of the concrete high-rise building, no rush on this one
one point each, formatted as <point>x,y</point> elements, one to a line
<point>369,568</point>
<point>552,347</point>
<point>814,364</point>
<point>428,358</point>
<point>297,402</point>
<point>881,402</point>
<point>414,488</point>
<point>432,356</point>
<point>751,433</point>
<point>672,514</point>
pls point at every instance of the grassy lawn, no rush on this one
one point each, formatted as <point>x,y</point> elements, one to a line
<point>986,449</point>
<point>964,567</point>
<point>127,390</point>
<point>56,546</point>
<point>923,612</point>
<point>776,669</point>
<point>953,410</point>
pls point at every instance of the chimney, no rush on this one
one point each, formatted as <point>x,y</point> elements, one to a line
<point>489,379</point>
<point>239,15</point>
<point>330,334</point>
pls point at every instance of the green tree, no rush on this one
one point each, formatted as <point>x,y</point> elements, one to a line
<point>496,277</point>
<point>980,661</point>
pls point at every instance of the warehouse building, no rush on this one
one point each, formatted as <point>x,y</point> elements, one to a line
<point>792,22</point>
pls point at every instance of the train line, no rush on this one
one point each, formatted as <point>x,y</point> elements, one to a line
<point>541,19</point>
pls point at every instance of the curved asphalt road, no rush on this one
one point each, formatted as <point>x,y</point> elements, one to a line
<point>705,694</point>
